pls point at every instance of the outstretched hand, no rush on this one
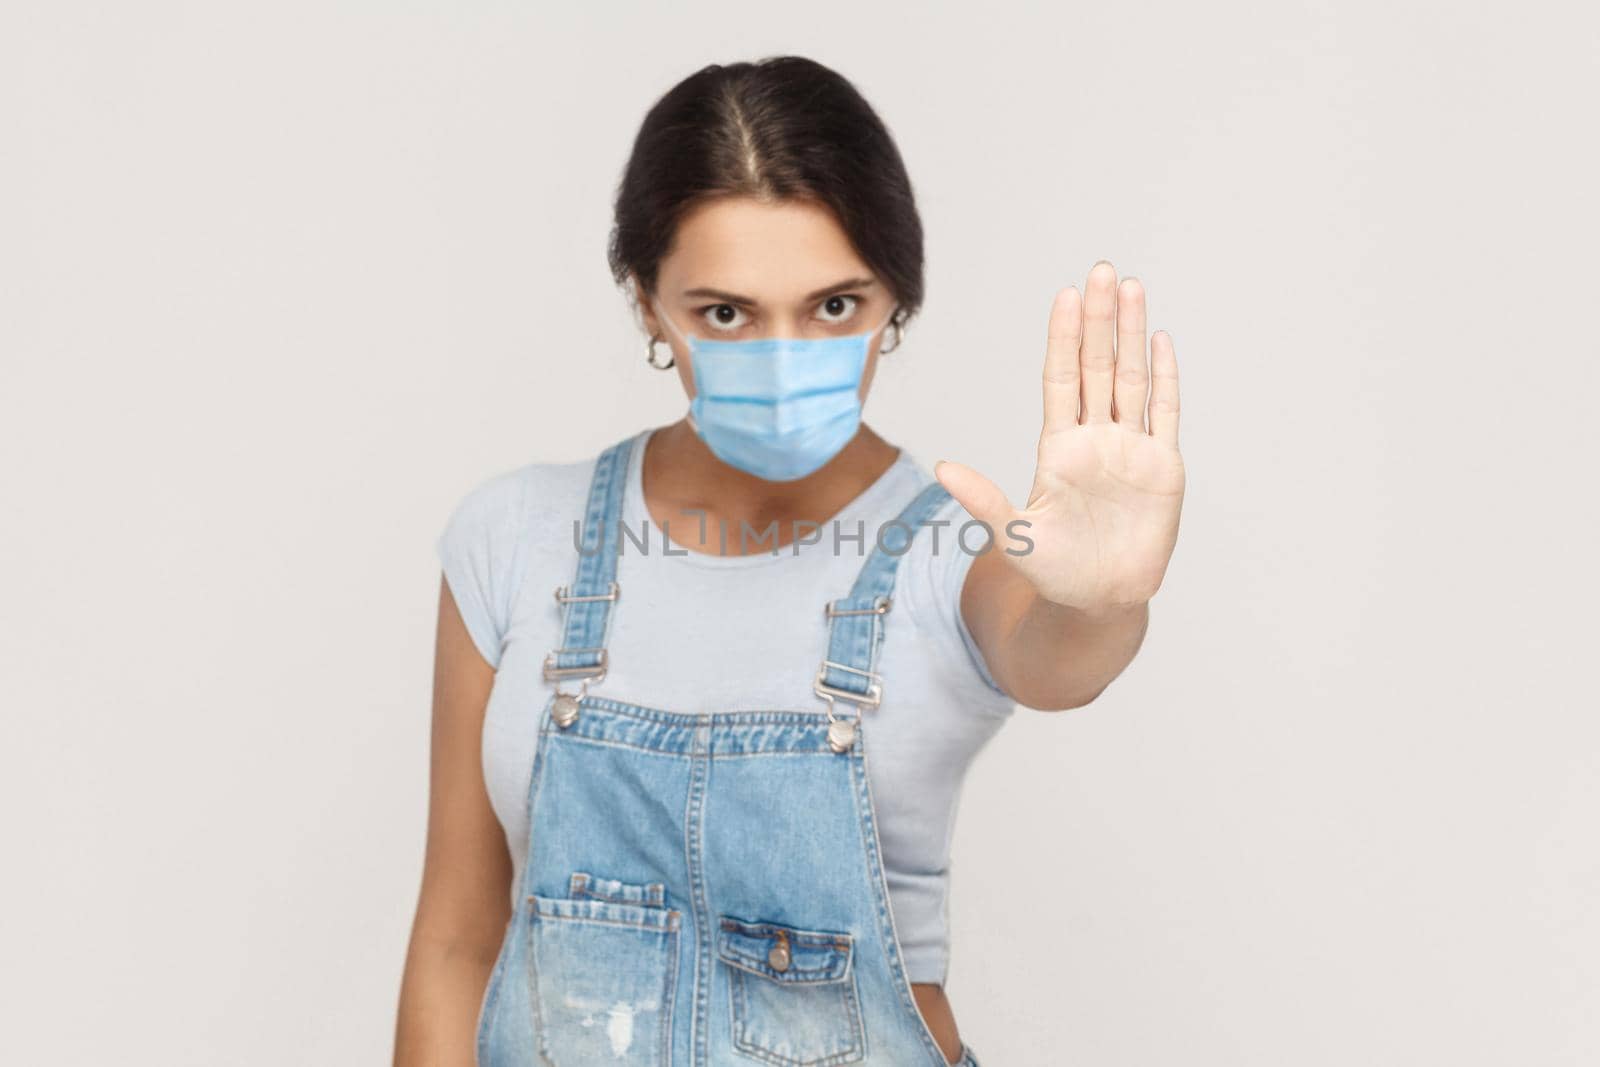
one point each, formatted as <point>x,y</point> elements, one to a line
<point>1108,485</point>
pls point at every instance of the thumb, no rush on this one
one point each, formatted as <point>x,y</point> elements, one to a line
<point>983,499</point>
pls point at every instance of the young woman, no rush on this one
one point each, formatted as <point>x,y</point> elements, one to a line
<point>696,806</point>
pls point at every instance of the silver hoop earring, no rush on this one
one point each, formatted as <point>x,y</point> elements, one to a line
<point>884,351</point>
<point>650,355</point>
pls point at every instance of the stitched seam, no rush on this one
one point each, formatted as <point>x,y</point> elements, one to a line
<point>880,893</point>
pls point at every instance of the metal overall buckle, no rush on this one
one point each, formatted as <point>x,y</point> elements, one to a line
<point>564,708</point>
<point>842,732</point>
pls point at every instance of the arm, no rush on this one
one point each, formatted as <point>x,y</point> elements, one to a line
<point>1045,656</point>
<point>1060,603</point>
<point>464,902</point>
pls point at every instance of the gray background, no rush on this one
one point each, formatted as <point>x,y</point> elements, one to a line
<point>281,281</point>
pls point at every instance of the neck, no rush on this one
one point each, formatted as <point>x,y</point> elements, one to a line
<point>681,472</point>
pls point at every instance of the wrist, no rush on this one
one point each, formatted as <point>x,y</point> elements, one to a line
<point>1105,614</point>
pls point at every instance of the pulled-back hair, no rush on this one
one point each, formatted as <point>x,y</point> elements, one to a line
<point>780,128</point>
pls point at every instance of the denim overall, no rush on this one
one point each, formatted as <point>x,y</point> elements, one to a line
<point>704,889</point>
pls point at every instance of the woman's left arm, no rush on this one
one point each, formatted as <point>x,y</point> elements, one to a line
<point>1060,605</point>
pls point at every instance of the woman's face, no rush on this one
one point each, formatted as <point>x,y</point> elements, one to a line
<point>742,268</point>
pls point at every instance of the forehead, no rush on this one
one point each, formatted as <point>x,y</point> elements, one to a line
<point>769,250</point>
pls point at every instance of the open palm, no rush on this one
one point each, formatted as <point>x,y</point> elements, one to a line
<point>1108,485</point>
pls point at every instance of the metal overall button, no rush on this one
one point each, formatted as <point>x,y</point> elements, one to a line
<point>565,710</point>
<point>778,955</point>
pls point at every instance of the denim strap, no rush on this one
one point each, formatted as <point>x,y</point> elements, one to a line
<point>587,602</point>
<point>855,622</point>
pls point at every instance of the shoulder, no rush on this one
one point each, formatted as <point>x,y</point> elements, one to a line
<point>504,505</point>
<point>932,572</point>
<point>494,528</point>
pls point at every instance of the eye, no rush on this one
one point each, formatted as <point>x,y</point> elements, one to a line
<point>838,308</point>
<point>723,317</point>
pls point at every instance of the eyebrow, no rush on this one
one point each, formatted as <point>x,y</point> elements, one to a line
<point>734,298</point>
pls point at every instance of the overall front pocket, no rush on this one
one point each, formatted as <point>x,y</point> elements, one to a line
<point>604,975</point>
<point>792,993</point>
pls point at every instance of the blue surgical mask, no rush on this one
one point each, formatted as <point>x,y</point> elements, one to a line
<point>777,407</point>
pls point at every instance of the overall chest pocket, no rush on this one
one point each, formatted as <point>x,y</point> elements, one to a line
<point>603,980</point>
<point>792,993</point>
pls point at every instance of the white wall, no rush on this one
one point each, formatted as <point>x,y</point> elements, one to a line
<point>280,281</point>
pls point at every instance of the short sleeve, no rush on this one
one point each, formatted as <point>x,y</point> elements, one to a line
<point>482,552</point>
<point>941,556</point>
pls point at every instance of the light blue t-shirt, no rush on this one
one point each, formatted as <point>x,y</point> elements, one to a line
<point>702,633</point>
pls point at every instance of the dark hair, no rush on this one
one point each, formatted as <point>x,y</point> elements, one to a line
<point>784,127</point>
